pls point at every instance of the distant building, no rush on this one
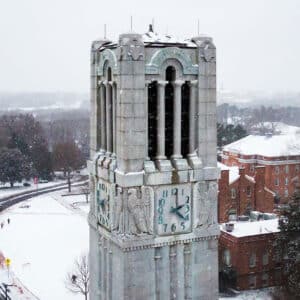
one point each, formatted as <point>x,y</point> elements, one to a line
<point>278,150</point>
<point>240,193</point>
<point>246,249</point>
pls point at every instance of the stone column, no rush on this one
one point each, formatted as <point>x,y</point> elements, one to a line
<point>108,117</point>
<point>177,120</point>
<point>161,120</point>
<point>192,116</point>
<point>103,117</point>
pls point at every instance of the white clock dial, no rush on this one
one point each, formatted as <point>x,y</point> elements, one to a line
<point>173,209</point>
<point>103,202</point>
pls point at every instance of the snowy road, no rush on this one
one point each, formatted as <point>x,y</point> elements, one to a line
<point>42,242</point>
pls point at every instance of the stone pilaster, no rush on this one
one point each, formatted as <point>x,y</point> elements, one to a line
<point>206,101</point>
<point>131,105</point>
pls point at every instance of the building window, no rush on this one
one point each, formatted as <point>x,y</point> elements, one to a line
<point>286,193</point>
<point>277,169</point>
<point>265,279</point>
<point>233,193</point>
<point>252,168</point>
<point>169,111</point>
<point>287,169</point>
<point>252,260</point>
<point>297,168</point>
<point>152,120</point>
<point>286,181</point>
<point>276,181</point>
<point>248,190</point>
<point>185,107</point>
<point>252,281</point>
<point>265,259</point>
<point>226,257</point>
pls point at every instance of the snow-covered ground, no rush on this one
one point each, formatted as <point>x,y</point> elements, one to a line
<point>42,242</point>
<point>6,190</point>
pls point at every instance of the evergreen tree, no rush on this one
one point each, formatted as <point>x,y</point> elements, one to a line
<point>288,243</point>
<point>13,166</point>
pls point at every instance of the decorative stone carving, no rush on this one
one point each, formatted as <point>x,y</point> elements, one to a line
<point>139,212</point>
<point>153,67</point>
<point>206,197</point>
<point>131,47</point>
<point>208,53</point>
<point>107,55</point>
<point>118,211</point>
<point>135,49</point>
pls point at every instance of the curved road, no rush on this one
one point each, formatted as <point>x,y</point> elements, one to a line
<point>14,199</point>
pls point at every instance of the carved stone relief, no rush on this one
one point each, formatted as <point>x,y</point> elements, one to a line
<point>133,213</point>
<point>153,67</point>
<point>205,204</point>
<point>107,55</point>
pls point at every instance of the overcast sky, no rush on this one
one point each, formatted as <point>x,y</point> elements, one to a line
<point>44,44</point>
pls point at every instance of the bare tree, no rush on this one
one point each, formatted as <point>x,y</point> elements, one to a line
<point>86,191</point>
<point>77,281</point>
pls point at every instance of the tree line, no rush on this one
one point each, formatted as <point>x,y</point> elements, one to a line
<point>24,151</point>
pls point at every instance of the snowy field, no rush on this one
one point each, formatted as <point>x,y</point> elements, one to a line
<point>42,242</point>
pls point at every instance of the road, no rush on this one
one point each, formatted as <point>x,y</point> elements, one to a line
<point>14,199</point>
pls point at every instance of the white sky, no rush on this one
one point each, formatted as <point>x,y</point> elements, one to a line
<point>44,44</point>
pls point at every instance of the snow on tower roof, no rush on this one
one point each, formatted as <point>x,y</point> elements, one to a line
<point>286,141</point>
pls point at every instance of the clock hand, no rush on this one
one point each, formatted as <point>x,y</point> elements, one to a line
<point>180,215</point>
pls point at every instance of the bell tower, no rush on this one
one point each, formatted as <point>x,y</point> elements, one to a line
<point>153,169</point>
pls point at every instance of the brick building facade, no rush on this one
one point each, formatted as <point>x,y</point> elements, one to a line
<point>278,153</point>
<point>240,193</point>
<point>248,251</point>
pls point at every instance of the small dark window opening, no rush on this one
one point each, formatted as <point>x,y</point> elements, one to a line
<point>110,107</point>
<point>98,119</point>
<point>152,120</point>
<point>185,106</point>
<point>169,116</point>
<point>109,77</point>
<point>169,111</point>
<point>170,74</point>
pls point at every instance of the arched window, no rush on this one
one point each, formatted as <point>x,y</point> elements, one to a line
<point>152,120</point>
<point>98,119</point>
<point>185,108</point>
<point>169,110</point>
<point>109,111</point>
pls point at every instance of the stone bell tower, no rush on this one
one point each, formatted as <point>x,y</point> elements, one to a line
<point>153,169</point>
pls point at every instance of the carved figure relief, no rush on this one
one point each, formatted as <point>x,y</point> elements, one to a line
<point>118,211</point>
<point>139,210</point>
<point>206,206</point>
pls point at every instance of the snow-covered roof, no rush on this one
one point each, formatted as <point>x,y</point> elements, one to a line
<point>233,172</point>
<point>248,228</point>
<point>155,38</point>
<point>286,141</point>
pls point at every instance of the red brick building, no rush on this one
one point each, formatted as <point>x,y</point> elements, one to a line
<point>279,153</point>
<point>240,193</point>
<point>248,251</point>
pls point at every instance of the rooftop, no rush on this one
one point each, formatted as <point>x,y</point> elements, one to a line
<point>251,228</point>
<point>284,141</point>
<point>233,172</point>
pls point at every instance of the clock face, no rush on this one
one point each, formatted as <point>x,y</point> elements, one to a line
<point>173,209</point>
<point>103,201</point>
